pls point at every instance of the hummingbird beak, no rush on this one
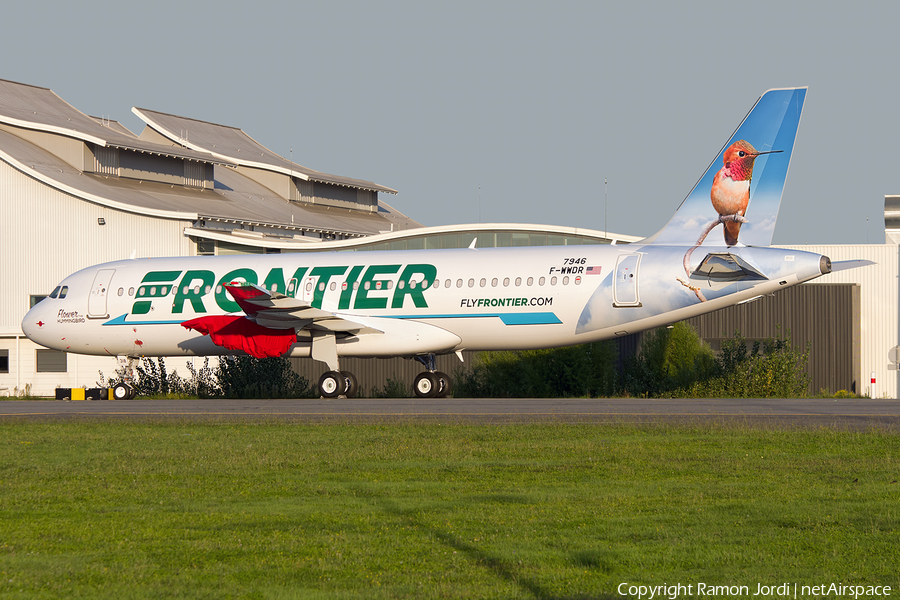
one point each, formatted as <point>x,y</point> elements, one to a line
<point>769,152</point>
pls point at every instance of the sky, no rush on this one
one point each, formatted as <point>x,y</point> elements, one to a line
<point>495,111</point>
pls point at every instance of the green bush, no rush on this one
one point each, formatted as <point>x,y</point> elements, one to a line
<point>772,369</point>
<point>152,379</point>
<point>393,388</point>
<point>249,377</point>
<point>671,358</point>
<point>585,370</point>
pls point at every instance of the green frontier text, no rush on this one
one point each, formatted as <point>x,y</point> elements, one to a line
<point>360,286</point>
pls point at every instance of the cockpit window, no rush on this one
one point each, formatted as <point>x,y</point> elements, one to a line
<point>55,292</point>
<point>63,292</point>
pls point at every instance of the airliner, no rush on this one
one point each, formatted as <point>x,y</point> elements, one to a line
<point>418,304</point>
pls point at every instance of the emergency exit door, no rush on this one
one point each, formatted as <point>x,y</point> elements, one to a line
<point>625,289</point>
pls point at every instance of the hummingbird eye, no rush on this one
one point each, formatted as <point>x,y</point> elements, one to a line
<point>742,154</point>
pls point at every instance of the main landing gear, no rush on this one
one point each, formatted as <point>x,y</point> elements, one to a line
<point>334,382</point>
<point>338,383</point>
<point>429,384</point>
<point>432,385</point>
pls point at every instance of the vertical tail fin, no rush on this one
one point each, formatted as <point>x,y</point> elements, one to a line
<point>741,190</point>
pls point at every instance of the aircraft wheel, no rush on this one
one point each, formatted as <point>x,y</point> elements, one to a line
<point>444,387</point>
<point>351,385</point>
<point>426,385</point>
<point>122,391</point>
<point>331,384</point>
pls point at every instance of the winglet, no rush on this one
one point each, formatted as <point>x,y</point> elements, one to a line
<point>755,159</point>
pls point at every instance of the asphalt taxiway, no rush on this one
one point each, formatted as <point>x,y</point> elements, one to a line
<point>843,413</point>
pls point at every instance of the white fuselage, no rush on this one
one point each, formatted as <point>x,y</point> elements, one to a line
<point>411,302</point>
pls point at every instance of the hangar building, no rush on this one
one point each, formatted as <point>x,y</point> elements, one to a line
<point>77,191</point>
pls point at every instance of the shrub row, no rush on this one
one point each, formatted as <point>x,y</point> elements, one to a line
<point>234,377</point>
<point>585,370</point>
<point>673,362</point>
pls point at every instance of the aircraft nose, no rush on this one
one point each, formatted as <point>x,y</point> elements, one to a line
<point>35,322</point>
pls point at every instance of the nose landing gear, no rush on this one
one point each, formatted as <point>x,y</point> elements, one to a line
<point>123,391</point>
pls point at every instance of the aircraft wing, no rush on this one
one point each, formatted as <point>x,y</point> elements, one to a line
<point>277,311</point>
<point>271,323</point>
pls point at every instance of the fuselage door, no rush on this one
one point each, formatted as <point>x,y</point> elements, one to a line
<point>99,291</point>
<point>308,289</point>
<point>626,285</point>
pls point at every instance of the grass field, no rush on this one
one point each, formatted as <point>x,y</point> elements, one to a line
<point>273,510</point>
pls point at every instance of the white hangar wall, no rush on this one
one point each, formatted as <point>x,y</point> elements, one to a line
<point>879,322</point>
<point>47,235</point>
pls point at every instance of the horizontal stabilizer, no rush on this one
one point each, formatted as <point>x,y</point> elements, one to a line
<point>843,265</point>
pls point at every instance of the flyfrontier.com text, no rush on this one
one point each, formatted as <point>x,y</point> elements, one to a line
<point>493,302</point>
<point>760,590</point>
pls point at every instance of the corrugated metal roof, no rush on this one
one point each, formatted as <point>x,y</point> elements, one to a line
<point>114,125</point>
<point>400,220</point>
<point>235,198</point>
<point>232,144</point>
<point>38,108</point>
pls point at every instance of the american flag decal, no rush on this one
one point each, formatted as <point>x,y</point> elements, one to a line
<point>592,270</point>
